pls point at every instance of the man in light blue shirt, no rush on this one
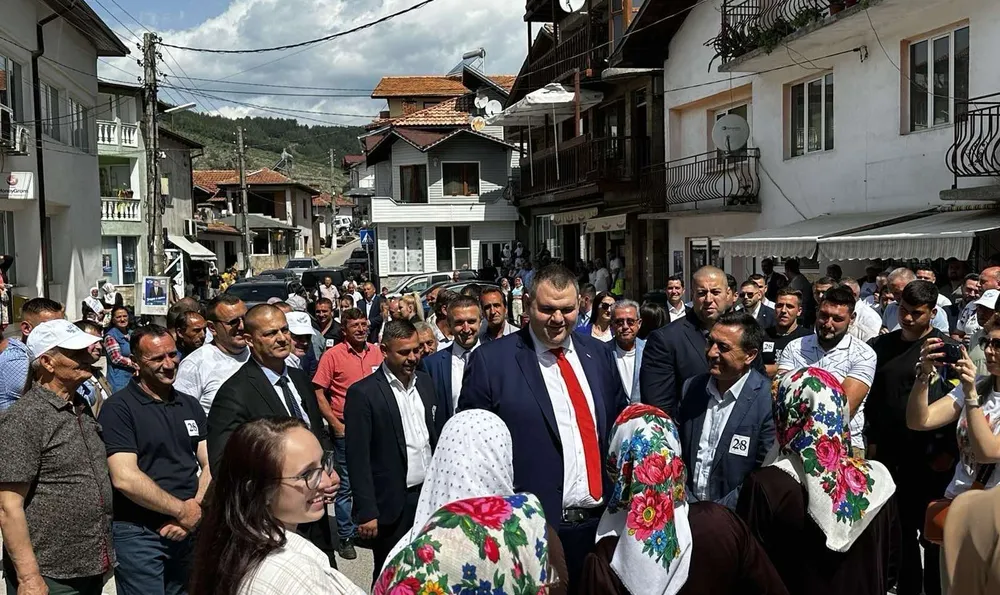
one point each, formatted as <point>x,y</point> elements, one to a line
<point>15,358</point>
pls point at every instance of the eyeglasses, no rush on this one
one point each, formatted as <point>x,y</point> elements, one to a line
<point>234,322</point>
<point>987,343</point>
<point>606,305</point>
<point>314,477</point>
<point>624,321</point>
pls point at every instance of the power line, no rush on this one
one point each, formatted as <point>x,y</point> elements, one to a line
<point>207,80</point>
<point>263,93</point>
<point>286,111</point>
<point>300,44</point>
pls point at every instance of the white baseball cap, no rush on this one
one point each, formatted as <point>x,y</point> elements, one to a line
<point>299,323</point>
<point>58,333</point>
<point>989,299</point>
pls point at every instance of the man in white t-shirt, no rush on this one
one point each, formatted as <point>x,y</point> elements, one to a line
<point>205,369</point>
<point>867,322</point>
<point>833,349</point>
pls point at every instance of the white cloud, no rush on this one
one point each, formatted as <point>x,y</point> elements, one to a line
<point>430,40</point>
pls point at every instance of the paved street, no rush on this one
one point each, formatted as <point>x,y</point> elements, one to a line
<point>337,257</point>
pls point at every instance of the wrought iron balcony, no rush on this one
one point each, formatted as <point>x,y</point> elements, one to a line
<point>975,152</point>
<point>584,160</point>
<point>751,24</point>
<point>708,179</point>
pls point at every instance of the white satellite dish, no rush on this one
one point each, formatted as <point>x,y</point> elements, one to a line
<point>493,108</point>
<point>730,133</point>
<point>571,5</point>
<point>481,101</point>
<point>478,123</point>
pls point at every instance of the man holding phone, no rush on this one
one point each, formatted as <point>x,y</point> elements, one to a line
<point>921,463</point>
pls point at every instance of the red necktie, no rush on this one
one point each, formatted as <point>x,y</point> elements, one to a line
<point>584,421</point>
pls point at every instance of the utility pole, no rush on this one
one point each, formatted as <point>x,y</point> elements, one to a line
<point>331,220</point>
<point>244,225</point>
<point>154,202</point>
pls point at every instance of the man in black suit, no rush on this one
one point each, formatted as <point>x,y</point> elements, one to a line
<point>266,387</point>
<point>389,417</point>
<point>751,301</point>
<point>371,305</point>
<point>772,281</point>
<point>676,352</point>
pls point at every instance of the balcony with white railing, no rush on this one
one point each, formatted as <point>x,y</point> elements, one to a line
<point>120,209</point>
<point>115,133</point>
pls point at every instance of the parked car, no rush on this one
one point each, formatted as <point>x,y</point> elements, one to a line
<point>278,274</point>
<point>421,282</point>
<point>301,265</point>
<point>258,292</point>
<point>313,278</point>
<point>452,286</point>
<point>358,262</point>
<point>344,225</point>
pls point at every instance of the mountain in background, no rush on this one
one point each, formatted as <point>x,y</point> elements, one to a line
<point>265,138</point>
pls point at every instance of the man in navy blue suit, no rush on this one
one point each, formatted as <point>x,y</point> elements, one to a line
<point>725,422</point>
<point>447,367</point>
<point>559,394</point>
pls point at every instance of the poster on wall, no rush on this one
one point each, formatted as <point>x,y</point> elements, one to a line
<point>129,264</point>
<point>678,262</point>
<point>154,291</point>
<point>106,264</point>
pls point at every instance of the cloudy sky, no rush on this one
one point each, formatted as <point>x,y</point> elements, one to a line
<point>430,40</point>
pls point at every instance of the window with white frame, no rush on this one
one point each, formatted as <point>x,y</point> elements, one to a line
<point>938,78</point>
<point>11,88</point>
<point>79,125</point>
<point>453,247</point>
<point>119,260</point>
<point>810,123</point>
<point>406,249</point>
<point>50,112</point>
<point>460,179</point>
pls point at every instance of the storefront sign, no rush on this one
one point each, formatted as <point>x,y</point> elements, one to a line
<point>605,224</point>
<point>574,217</point>
<point>17,185</point>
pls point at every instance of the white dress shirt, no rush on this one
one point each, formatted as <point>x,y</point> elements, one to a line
<point>867,322</point>
<point>458,362</point>
<point>418,440</point>
<point>576,489</point>
<point>677,312</point>
<point>767,303</point>
<point>720,407</point>
<point>273,379</point>
<point>626,367</point>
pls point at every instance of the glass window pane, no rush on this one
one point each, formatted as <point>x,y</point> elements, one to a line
<point>472,178</point>
<point>129,259</point>
<point>462,237</point>
<point>942,80</point>
<point>815,126</point>
<point>414,249</point>
<point>463,258</point>
<point>828,141</point>
<point>798,123</point>
<point>109,258</point>
<point>962,64</point>
<point>7,242</point>
<point>918,86</point>
<point>442,242</point>
<point>396,244</point>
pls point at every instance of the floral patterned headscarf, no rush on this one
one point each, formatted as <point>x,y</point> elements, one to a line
<point>844,493</point>
<point>487,545</point>
<point>647,510</point>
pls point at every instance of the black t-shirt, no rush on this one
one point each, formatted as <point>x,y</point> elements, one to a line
<point>164,435</point>
<point>332,336</point>
<point>885,407</point>
<point>774,343</point>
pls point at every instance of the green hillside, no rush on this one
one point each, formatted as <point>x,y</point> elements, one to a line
<point>265,138</point>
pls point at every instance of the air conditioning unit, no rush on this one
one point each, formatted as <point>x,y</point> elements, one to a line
<point>190,227</point>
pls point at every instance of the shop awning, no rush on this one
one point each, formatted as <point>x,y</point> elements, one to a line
<point>553,100</point>
<point>799,240</point>
<point>193,249</point>
<point>574,217</point>
<point>941,235</point>
<point>609,223</point>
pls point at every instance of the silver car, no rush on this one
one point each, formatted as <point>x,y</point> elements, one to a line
<point>301,265</point>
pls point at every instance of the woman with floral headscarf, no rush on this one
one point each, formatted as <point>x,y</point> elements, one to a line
<point>496,544</point>
<point>826,520</point>
<point>651,541</point>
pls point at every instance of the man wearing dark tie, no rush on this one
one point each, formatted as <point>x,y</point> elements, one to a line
<point>369,304</point>
<point>266,387</point>
<point>559,394</point>
<point>389,418</point>
<point>447,367</point>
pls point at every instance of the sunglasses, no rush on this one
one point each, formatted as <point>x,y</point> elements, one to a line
<point>748,294</point>
<point>606,305</point>
<point>624,321</point>
<point>986,342</point>
<point>234,322</point>
<point>314,477</point>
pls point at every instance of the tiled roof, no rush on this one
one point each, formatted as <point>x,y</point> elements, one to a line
<point>420,138</point>
<point>350,160</point>
<point>209,179</point>
<point>321,200</point>
<point>373,139</point>
<point>450,112</point>
<point>429,86</point>
<point>230,177</point>
<point>343,201</point>
<point>217,227</point>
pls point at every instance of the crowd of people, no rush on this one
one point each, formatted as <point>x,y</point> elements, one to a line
<point>544,434</point>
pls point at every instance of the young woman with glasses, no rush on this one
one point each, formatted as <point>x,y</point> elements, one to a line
<point>272,477</point>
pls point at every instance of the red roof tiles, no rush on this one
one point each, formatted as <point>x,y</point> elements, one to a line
<point>429,86</point>
<point>450,112</point>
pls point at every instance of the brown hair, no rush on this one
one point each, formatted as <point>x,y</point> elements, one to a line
<point>238,530</point>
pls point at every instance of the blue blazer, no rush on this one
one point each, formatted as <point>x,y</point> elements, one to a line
<point>438,366</point>
<point>765,317</point>
<point>752,418</point>
<point>640,346</point>
<point>504,377</point>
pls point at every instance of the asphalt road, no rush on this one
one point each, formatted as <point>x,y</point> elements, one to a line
<point>336,258</point>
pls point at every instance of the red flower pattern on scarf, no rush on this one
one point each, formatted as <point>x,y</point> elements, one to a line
<point>488,512</point>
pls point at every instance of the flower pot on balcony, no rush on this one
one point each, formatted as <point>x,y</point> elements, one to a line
<point>129,193</point>
<point>836,6</point>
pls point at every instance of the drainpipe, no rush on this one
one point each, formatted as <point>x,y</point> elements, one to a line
<point>39,158</point>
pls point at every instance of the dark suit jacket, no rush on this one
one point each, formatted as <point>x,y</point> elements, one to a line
<point>751,418</point>
<point>775,283</point>
<point>438,366</point>
<point>247,396</point>
<point>376,446</point>
<point>374,317</point>
<point>504,377</point>
<point>765,317</point>
<point>673,354</point>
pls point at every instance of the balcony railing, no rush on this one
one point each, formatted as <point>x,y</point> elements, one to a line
<point>731,180</point>
<point>975,152</point>
<point>751,24</point>
<point>120,209</point>
<point>586,49</point>
<point>115,133</point>
<point>583,160</point>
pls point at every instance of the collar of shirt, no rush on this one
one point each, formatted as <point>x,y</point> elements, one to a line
<point>734,390</point>
<point>457,350</point>
<point>394,381</point>
<point>362,353</point>
<point>144,399</point>
<point>622,353</point>
<point>56,401</point>
<point>812,342</point>
<point>678,310</point>
<point>541,349</point>
<point>272,377</point>
<point>756,310</point>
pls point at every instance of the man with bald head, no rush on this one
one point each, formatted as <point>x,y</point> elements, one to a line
<point>676,352</point>
<point>266,387</point>
<point>968,323</point>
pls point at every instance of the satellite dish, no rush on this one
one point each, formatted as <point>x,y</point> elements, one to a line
<point>571,5</point>
<point>730,133</point>
<point>481,101</point>
<point>493,108</point>
<point>478,123</point>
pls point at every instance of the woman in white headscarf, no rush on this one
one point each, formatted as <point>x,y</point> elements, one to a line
<point>474,458</point>
<point>93,308</point>
<point>111,297</point>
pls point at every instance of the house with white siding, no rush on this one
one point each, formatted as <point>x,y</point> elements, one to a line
<point>441,184</point>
